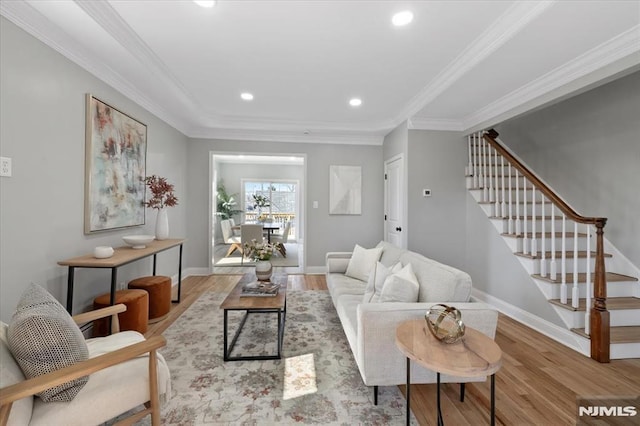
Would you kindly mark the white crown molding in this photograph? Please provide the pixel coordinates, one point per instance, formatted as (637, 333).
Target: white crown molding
(291, 136)
(517, 17)
(624, 45)
(424, 123)
(33, 22)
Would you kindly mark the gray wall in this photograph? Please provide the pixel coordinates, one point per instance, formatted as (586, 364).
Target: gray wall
(436, 161)
(42, 125)
(324, 232)
(396, 142)
(588, 149)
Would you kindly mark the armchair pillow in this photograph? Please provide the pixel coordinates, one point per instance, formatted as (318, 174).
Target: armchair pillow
(376, 281)
(401, 286)
(362, 262)
(43, 338)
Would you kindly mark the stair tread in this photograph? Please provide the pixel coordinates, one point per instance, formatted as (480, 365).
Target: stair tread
(546, 234)
(582, 254)
(582, 277)
(613, 303)
(623, 334)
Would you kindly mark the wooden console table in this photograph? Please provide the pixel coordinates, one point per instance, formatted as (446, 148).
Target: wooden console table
(475, 355)
(121, 256)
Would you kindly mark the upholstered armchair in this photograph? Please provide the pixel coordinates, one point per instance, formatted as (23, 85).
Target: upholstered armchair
(121, 373)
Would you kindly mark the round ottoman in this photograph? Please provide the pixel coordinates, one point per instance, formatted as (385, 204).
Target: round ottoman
(159, 289)
(134, 318)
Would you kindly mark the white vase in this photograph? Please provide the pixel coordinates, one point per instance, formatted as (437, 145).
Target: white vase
(263, 270)
(162, 225)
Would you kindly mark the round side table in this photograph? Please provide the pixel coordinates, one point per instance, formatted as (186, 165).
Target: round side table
(475, 355)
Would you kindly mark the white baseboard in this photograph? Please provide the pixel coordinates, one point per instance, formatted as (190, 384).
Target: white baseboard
(553, 331)
(316, 270)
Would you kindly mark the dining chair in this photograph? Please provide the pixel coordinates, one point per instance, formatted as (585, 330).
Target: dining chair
(250, 232)
(281, 239)
(229, 238)
(235, 230)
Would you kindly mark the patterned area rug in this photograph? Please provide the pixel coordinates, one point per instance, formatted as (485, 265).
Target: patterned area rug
(208, 391)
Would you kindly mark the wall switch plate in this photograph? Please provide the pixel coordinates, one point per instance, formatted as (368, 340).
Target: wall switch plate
(315, 204)
(5, 166)
(426, 193)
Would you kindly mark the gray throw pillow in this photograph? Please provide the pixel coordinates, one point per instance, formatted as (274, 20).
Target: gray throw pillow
(43, 338)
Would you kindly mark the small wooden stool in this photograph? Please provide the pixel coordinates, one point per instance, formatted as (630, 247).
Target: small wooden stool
(159, 289)
(134, 318)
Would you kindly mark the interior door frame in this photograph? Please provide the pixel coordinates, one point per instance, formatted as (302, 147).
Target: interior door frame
(302, 198)
(402, 200)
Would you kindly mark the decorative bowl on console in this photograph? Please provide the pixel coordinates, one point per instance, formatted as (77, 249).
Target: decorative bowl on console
(138, 241)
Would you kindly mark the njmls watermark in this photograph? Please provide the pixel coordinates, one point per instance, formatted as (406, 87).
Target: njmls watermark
(608, 410)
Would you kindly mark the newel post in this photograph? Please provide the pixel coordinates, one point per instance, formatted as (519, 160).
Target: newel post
(599, 318)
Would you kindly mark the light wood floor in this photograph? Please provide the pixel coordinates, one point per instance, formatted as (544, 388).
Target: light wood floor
(537, 384)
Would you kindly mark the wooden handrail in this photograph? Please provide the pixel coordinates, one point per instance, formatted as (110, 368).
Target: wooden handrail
(599, 316)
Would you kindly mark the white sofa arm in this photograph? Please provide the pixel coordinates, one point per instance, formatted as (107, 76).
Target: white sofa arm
(379, 359)
(337, 261)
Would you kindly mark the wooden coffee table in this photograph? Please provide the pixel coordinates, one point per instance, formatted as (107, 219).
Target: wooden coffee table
(475, 355)
(251, 305)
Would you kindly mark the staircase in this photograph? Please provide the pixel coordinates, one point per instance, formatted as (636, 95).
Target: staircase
(561, 250)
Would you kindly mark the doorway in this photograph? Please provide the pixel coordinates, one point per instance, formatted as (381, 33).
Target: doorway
(277, 181)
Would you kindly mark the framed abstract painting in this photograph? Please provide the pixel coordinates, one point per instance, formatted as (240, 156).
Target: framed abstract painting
(345, 186)
(115, 168)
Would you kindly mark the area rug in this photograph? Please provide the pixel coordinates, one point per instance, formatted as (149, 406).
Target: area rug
(235, 259)
(208, 391)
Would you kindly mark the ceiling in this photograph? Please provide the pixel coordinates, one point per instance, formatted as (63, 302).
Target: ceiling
(459, 65)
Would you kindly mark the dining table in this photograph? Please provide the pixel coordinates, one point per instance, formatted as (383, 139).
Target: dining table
(269, 227)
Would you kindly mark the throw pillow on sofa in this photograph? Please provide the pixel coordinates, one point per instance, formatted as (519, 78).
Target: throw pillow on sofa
(43, 338)
(362, 262)
(401, 286)
(376, 281)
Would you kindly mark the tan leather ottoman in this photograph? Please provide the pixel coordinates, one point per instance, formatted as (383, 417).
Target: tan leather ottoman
(159, 289)
(134, 318)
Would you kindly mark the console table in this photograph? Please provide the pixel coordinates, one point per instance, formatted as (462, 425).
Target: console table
(475, 355)
(121, 256)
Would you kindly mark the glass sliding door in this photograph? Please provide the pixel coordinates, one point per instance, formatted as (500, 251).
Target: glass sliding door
(274, 201)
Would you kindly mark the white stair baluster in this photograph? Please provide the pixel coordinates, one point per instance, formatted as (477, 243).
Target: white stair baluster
(563, 261)
(525, 239)
(587, 313)
(518, 223)
(497, 187)
(510, 221)
(476, 162)
(469, 170)
(491, 173)
(553, 266)
(485, 183)
(574, 291)
(504, 204)
(534, 239)
(543, 251)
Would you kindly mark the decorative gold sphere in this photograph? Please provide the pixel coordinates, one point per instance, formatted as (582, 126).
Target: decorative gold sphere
(445, 323)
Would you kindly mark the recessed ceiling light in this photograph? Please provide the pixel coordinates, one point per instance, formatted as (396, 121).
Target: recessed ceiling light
(355, 102)
(246, 96)
(402, 18)
(205, 3)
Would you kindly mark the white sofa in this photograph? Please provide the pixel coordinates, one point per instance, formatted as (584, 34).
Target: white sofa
(371, 327)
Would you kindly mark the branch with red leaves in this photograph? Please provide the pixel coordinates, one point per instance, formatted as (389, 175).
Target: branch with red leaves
(161, 193)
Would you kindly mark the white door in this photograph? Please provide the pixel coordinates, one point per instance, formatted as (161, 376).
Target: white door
(394, 201)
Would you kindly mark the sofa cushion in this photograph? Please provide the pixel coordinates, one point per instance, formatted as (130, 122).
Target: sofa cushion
(390, 253)
(376, 281)
(438, 282)
(401, 286)
(10, 374)
(362, 262)
(339, 284)
(43, 338)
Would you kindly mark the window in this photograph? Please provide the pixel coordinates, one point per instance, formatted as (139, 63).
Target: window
(281, 199)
